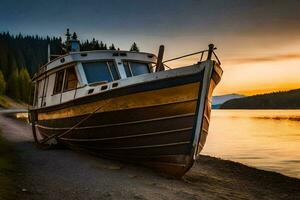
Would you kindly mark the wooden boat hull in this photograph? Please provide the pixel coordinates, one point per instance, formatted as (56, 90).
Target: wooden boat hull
(151, 123)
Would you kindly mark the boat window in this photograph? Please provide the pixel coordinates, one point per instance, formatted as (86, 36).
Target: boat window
(139, 68)
(100, 71)
(71, 79)
(59, 78)
(135, 68)
(113, 70)
(127, 69)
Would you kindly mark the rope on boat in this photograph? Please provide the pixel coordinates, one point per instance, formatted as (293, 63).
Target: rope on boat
(167, 66)
(210, 51)
(217, 57)
(42, 143)
(187, 55)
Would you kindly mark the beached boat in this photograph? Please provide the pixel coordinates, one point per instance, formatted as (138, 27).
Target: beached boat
(126, 105)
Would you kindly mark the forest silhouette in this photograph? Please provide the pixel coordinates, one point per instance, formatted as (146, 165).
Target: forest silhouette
(22, 55)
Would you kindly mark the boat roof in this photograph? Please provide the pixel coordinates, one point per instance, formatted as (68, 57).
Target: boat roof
(86, 56)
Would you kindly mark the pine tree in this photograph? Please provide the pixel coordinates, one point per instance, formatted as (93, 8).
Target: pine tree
(74, 36)
(112, 47)
(2, 84)
(97, 46)
(12, 63)
(13, 87)
(134, 47)
(93, 44)
(3, 61)
(24, 85)
(68, 35)
(101, 46)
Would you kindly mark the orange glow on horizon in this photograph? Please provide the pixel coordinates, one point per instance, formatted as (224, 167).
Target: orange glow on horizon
(256, 75)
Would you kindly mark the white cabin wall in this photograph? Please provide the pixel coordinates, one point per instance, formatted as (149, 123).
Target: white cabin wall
(81, 75)
(50, 87)
(54, 99)
(40, 92)
(67, 96)
(40, 89)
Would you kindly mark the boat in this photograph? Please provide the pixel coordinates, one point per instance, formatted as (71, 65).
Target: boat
(126, 105)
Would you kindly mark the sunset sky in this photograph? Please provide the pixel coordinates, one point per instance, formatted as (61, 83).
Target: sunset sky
(258, 41)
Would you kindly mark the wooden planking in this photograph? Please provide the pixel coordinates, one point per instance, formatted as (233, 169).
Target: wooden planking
(166, 82)
(138, 140)
(127, 136)
(126, 116)
(126, 129)
(151, 150)
(170, 95)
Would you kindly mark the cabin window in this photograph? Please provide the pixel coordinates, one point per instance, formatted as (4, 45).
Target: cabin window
(71, 79)
(127, 69)
(100, 71)
(113, 70)
(139, 68)
(135, 68)
(58, 82)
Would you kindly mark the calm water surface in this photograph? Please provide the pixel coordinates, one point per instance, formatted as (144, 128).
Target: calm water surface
(266, 139)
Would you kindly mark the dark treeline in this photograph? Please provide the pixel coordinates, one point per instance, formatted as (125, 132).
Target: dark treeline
(17, 52)
(21, 56)
(276, 100)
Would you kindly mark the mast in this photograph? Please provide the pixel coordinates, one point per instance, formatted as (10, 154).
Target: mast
(68, 40)
(159, 64)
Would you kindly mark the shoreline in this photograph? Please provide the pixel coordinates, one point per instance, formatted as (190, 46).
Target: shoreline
(250, 166)
(207, 158)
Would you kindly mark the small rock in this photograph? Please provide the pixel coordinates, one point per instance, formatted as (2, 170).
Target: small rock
(132, 176)
(114, 167)
(24, 190)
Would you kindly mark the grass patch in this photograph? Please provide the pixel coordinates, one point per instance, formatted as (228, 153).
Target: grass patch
(8, 171)
(4, 103)
(7, 102)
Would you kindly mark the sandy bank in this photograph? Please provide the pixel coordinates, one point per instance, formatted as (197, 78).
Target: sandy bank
(64, 174)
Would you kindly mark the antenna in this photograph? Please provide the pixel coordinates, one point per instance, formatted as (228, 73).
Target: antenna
(49, 55)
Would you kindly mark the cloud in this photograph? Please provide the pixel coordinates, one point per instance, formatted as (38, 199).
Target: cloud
(271, 58)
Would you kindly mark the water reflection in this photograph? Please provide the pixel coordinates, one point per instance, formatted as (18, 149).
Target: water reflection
(266, 139)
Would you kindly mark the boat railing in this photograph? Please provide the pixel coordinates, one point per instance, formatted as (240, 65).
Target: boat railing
(210, 53)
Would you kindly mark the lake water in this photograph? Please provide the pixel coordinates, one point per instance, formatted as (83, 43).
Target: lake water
(265, 139)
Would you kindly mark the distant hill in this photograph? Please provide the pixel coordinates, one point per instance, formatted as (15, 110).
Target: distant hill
(276, 100)
(217, 101)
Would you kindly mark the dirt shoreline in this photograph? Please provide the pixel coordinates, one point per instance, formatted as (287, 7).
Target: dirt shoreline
(65, 174)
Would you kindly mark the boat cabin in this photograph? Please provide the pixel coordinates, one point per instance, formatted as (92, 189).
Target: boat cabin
(79, 74)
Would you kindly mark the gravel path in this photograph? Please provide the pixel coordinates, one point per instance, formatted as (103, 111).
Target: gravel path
(65, 174)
